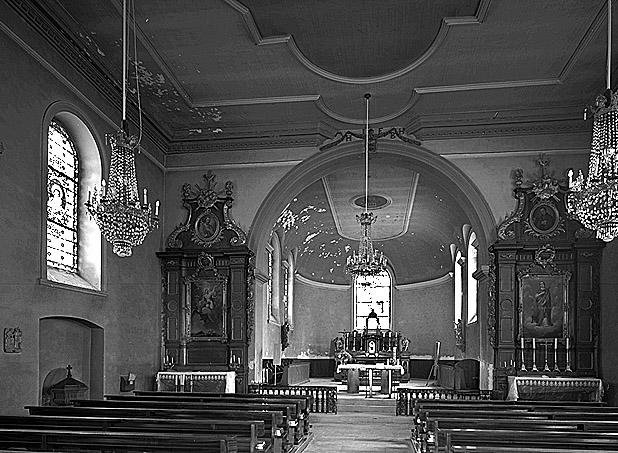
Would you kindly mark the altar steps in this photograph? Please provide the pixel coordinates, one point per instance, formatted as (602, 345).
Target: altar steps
(378, 404)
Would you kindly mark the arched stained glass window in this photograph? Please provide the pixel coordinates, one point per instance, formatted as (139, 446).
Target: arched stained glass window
(372, 294)
(62, 196)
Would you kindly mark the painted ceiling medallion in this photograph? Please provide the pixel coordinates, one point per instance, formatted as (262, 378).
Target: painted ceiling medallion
(373, 201)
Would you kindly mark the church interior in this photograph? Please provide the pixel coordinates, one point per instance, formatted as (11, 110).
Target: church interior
(317, 205)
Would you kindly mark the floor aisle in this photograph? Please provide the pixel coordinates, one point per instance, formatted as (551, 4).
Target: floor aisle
(361, 426)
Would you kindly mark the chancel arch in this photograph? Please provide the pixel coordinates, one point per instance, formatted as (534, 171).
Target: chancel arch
(421, 178)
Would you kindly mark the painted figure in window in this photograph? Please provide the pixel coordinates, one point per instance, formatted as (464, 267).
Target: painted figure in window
(542, 314)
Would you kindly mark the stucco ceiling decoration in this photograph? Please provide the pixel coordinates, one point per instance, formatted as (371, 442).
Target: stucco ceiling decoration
(248, 68)
(339, 42)
(397, 185)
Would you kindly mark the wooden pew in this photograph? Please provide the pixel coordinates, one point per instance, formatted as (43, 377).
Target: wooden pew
(465, 437)
(514, 424)
(425, 421)
(274, 421)
(84, 440)
(301, 403)
(250, 433)
(289, 410)
(306, 399)
(294, 428)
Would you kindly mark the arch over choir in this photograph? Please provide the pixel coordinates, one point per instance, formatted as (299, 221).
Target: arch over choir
(71, 166)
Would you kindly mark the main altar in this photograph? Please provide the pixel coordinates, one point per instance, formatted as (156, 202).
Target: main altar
(372, 346)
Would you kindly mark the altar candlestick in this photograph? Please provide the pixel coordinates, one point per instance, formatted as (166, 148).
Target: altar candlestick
(534, 368)
(522, 342)
(556, 355)
(568, 356)
(523, 364)
(157, 208)
(546, 368)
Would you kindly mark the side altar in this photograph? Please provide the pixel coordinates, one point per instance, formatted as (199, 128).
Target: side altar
(544, 296)
(207, 306)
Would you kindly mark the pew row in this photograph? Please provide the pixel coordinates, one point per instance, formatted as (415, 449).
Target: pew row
(293, 425)
(85, 440)
(275, 437)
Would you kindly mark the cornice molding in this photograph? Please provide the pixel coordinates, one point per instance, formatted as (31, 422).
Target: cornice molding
(322, 285)
(427, 284)
(425, 133)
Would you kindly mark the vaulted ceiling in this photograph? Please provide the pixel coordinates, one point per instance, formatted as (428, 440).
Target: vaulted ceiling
(414, 229)
(218, 70)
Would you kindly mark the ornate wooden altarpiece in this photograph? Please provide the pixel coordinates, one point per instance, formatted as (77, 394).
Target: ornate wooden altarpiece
(544, 286)
(207, 276)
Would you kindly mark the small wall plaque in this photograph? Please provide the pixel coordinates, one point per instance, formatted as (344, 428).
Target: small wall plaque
(12, 340)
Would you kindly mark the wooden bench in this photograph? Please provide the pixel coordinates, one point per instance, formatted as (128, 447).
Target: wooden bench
(85, 440)
(512, 424)
(294, 429)
(306, 400)
(250, 433)
(301, 403)
(424, 423)
(465, 437)
(273, 420)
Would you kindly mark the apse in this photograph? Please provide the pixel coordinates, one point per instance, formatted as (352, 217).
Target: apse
(417, 221)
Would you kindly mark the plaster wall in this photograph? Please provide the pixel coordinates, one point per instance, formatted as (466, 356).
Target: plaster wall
(423, 313)
(129, 309)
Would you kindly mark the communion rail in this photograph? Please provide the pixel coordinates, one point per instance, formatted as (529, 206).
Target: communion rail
(406, 396)
(323, 398)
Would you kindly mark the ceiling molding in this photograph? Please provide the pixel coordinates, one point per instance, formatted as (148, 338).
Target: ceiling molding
(425, 133)
(487, 86)
(406, 220)
(156, 57)
(247, 143)
(599, 20)
(257, 101)
(79, 59)
(446, 23)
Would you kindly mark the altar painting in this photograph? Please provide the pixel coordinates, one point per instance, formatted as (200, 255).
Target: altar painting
(543, 305)
(207, 314)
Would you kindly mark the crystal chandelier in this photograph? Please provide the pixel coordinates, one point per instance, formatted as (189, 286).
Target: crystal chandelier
(367, 261)
(123, 219)
(594, 200)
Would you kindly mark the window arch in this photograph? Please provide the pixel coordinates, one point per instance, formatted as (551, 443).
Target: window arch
(372, 293)
(472, 262)
(72, 248)
(457, 278)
